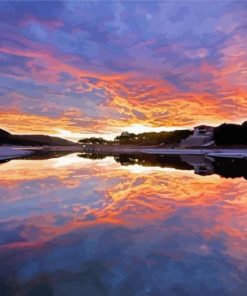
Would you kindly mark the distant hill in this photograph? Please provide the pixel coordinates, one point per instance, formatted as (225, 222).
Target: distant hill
(32, 140)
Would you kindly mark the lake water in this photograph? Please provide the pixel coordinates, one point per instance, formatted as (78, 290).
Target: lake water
(81, 226)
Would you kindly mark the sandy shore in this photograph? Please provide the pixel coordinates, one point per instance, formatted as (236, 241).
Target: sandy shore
(9, 152)
(201, 151)
(74, 148)
(214, 152)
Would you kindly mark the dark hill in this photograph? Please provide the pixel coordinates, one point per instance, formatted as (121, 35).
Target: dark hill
(32, 140)
(4, 134)
(231, 134)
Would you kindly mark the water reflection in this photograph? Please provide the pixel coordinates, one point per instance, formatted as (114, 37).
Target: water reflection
(128, 225)
(200, 164)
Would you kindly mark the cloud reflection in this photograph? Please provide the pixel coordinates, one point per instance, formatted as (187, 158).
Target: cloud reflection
(73, 214)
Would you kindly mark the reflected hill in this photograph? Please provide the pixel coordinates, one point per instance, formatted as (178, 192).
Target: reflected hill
(43, 154)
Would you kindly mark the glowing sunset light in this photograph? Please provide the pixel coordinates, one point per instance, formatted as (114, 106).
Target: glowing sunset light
(75, 136)
(72, 160)
(141, 128)
(139, 169)
(134, 128)
(60, 77)
(127, 214)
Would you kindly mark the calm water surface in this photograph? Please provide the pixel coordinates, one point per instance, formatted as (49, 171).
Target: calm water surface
(75, 226)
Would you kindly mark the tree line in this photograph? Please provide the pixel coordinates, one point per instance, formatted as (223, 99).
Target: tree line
(171, 139)
(231, 134)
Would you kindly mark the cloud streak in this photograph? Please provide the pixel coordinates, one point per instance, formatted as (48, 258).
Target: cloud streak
(89, 65)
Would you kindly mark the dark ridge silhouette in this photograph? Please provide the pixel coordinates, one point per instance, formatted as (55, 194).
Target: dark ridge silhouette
(231, 134)
(32, 140)
(4, 134)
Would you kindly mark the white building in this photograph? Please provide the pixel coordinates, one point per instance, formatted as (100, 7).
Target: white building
(203, 130)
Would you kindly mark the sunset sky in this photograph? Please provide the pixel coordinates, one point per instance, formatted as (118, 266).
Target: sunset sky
(86, 68)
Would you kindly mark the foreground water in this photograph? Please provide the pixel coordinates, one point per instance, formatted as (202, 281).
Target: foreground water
(76, 226)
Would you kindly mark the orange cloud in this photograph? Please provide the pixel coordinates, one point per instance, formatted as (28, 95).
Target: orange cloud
(133, 98)
(126, 197)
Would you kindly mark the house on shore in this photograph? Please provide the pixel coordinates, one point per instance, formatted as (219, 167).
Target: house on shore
(203, 130)
(202, 136)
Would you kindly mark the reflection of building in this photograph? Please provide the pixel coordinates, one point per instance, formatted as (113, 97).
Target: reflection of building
(203, 130)
(202, 166)
(204, 169)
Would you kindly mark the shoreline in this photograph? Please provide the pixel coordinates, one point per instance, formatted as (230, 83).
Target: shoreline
(13, 152)
(239, 152)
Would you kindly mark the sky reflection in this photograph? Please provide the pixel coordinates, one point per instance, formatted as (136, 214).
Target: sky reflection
(74, 224)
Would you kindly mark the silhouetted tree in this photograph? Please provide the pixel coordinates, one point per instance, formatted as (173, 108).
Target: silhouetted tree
(93, 140)
(231, 134)
(172, 138)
